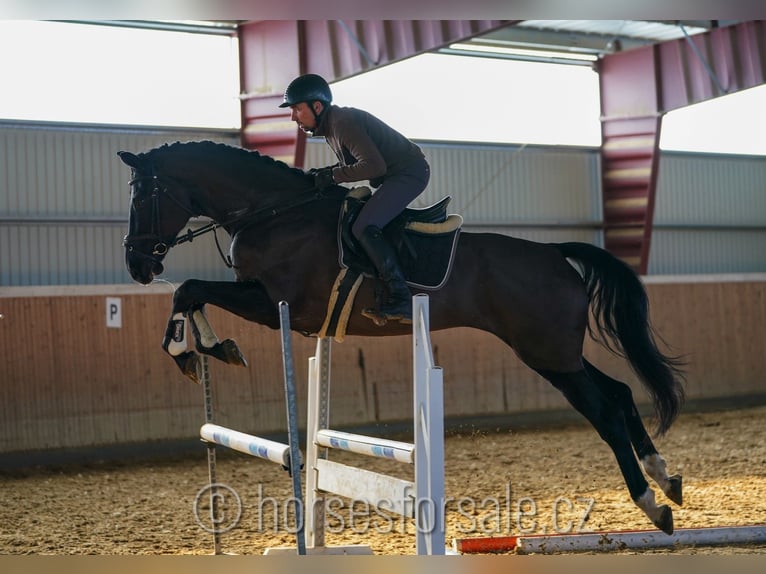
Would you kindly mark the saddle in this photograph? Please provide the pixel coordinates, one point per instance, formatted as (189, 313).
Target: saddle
(425, 240)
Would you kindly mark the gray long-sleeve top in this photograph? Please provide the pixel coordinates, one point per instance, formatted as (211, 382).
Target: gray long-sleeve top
(366, 147)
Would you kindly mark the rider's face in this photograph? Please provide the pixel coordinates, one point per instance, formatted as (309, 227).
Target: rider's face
(303, 115)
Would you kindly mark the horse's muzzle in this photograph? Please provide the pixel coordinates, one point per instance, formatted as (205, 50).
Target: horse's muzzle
(142, 268)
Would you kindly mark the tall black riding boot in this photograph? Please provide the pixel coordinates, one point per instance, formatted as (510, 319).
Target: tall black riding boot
(398, 305)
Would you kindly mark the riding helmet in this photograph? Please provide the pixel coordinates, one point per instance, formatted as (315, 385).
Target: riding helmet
(307, 88)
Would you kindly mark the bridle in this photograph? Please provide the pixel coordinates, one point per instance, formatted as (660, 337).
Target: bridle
(162, 246)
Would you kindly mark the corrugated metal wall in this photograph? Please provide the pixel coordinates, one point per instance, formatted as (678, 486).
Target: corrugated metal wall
(64, 202)
(710, 214)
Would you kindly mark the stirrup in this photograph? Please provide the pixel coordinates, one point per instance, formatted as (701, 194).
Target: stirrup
(380, 317)
(374, 316)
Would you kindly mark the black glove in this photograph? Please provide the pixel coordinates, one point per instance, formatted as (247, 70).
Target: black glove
(314, 170)
(323, 178)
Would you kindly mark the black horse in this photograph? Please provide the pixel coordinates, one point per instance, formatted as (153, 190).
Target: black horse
(284, 247)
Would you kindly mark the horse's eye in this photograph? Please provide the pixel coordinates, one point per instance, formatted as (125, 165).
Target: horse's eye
(137, 198)
(137, 195)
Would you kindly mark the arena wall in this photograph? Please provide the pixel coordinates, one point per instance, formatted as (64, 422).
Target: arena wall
(69, 381)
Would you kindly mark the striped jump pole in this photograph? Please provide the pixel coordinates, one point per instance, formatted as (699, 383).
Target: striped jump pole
(270, 450)
(422, 500)
(611, 541)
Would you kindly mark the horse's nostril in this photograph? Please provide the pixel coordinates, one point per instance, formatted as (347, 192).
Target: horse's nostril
(158, 268)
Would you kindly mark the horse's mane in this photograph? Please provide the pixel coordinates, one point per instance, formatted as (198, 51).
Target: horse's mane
(226, 152)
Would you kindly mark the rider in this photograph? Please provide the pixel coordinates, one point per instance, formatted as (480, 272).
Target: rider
(367, 149)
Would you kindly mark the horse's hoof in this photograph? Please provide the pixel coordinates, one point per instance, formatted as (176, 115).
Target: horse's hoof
(665, 520)
(674, 491)
(232, 354)
(190, 366)
(226, 351)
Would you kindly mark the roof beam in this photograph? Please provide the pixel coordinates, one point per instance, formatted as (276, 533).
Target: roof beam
(716, 63)
(637, 88)
(274, 52)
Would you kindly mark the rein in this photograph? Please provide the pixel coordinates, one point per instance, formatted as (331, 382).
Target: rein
(252, 217)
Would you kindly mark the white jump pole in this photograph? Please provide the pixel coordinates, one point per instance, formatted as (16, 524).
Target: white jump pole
(245, 443)
(422, 500)
(610, 541)
(266, 449)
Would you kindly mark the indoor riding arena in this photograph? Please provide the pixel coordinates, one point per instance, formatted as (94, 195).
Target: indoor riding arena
(108, 448)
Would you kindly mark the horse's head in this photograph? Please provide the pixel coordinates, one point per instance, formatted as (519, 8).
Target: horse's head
(156, 216)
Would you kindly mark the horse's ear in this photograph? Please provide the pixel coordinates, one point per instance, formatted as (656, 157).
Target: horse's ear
(130, 159)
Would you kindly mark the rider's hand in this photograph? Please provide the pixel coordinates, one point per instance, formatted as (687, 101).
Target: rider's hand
(323, 178)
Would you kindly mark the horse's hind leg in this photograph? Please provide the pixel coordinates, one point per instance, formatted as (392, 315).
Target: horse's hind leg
(654, 465)
(587, 397)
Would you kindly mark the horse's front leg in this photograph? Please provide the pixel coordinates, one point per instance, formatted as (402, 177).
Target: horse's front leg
(175, 344)
(208, 343)
(248, 300)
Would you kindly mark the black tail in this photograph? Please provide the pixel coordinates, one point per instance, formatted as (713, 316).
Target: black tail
(621, 310)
